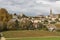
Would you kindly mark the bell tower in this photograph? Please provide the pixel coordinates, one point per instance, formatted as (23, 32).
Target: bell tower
(51, 12)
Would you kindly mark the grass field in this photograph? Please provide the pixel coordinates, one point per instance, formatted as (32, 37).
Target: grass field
(41, 38)
(31, 35)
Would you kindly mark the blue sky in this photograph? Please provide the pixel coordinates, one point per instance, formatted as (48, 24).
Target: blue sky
(31, 7)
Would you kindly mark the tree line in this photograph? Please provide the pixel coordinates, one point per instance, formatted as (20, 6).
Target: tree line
(6, 24)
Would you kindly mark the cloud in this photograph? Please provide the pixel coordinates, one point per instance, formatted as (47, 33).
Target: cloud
(31, 7)
(57, 2)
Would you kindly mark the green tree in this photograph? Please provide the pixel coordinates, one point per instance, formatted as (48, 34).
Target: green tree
(1, 26)
(13, 25)
(45, 21)
(57, 20)
(40, 26)
(25, 24)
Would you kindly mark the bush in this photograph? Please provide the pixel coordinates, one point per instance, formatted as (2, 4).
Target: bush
(25, 25)
(12, 25)
(1, 26)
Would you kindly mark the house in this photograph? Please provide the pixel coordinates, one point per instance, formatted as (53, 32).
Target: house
(14, 18)
(51, 27)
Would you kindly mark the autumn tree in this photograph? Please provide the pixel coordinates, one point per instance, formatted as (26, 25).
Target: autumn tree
(4, 17)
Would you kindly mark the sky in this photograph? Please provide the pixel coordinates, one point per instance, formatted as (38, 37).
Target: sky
(31, 7)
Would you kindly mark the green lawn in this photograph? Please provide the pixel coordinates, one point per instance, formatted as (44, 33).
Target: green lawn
(41, 38)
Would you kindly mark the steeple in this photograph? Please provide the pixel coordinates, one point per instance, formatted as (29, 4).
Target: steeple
(50, 11)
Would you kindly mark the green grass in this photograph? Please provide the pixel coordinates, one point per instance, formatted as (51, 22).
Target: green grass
(41, 38)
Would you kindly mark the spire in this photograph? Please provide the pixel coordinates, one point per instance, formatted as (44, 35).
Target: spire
(50, 11)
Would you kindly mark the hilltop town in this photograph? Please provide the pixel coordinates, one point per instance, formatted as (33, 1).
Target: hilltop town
(23, 22)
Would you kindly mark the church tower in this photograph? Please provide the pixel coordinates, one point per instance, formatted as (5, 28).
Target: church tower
(51, 12)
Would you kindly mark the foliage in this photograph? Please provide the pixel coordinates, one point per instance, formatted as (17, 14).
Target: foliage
(41, 26)
(1, 26)
(13, 25)
(4, 18)
(57, 20)
(45, 22)
(53, 22)
(25, 24)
